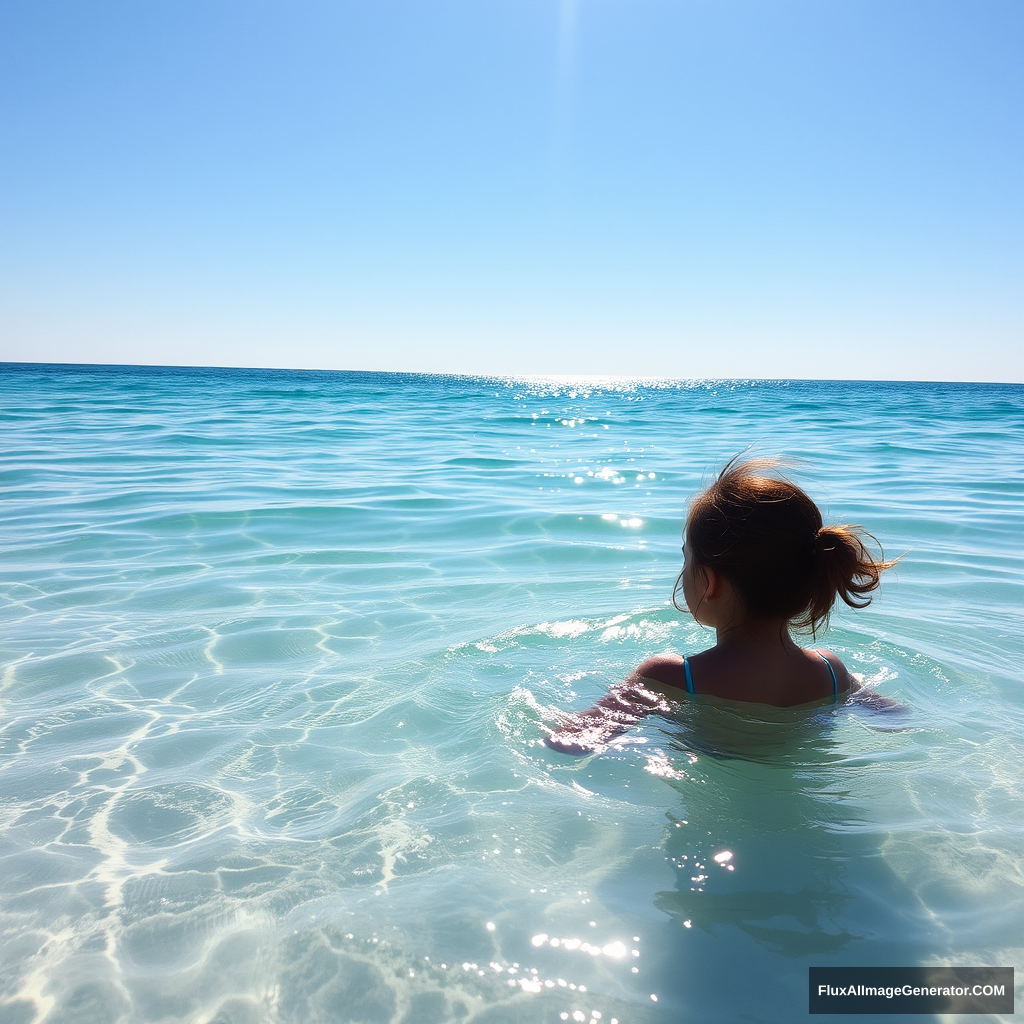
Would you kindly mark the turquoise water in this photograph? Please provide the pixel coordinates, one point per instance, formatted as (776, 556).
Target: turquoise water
(279, 648)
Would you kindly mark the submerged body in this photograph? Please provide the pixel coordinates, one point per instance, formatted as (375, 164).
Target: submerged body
(801, 678)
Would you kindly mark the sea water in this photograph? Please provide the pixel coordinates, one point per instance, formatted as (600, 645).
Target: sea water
(279, 650)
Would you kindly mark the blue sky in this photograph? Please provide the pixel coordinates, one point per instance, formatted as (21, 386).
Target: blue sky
(725, 188)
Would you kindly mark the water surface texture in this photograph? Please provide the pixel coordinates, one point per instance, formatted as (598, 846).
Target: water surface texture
(279, 649)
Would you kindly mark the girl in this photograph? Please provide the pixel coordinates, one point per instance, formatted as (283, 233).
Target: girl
(757, 561)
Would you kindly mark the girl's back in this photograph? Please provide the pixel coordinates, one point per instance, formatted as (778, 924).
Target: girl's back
(781, 678)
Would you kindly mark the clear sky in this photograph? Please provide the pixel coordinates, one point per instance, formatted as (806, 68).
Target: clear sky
(687, 188)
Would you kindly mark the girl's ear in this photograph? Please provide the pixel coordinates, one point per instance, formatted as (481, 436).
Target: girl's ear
(714, 582)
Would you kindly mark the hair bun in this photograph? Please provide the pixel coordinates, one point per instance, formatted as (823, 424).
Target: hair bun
(826, 540)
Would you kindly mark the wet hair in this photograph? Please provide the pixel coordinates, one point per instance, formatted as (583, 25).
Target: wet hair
(767, 538)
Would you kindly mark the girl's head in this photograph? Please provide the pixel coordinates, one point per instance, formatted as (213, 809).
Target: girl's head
(765, 536)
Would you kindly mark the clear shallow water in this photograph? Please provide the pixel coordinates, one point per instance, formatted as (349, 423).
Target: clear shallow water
(278, 649)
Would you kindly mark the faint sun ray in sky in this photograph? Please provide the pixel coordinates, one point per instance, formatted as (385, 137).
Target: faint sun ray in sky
(564, 91)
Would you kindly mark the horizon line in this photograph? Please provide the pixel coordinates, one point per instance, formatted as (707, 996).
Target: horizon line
(545, 378)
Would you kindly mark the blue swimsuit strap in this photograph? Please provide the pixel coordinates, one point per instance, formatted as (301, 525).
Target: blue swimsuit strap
(689, 678)
(832, 672)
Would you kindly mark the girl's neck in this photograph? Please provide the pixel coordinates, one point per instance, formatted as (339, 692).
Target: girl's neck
(749, 632)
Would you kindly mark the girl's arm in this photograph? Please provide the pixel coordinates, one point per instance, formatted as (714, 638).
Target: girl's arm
(861, 696)
(590, 731)
(856, 693)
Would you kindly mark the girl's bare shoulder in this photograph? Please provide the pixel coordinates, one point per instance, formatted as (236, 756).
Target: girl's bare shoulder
(846, 682)
(666, 669)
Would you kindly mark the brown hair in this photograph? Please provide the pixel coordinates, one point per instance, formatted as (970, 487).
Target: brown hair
(766, 537)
